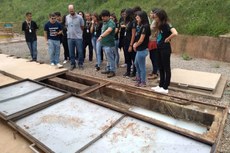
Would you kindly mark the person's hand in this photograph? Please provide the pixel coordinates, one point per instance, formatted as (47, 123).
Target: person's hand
(99, 38)
(130, 49)
(167, 40)
(135, 46)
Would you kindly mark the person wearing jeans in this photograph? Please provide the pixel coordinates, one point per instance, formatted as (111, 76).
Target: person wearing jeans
(140, 46)
(52, 32)
(54, 51)
(75, 26)
(117, 56)
(140, 63)
(76, 44)
(108, 43)
(30, 28)
(96, 32)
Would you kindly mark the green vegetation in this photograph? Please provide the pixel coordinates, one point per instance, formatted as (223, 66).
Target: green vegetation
(186, 57)
(197, 17)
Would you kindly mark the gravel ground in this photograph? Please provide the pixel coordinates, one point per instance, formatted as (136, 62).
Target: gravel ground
(21, 50)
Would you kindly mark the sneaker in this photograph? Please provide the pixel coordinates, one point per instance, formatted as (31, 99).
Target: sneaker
(137, 84)
(162, 90)
(123, 65)
(72, 67)
(97, 68)
(105, 72)
(132, 75)
(52, 64)
(142, 84)
(59, 65)
(110, 75)
(80, 67)
(156, 88)
(136, 79)
(150, 74)
(65, 61)
(153, 76)
(127, 74)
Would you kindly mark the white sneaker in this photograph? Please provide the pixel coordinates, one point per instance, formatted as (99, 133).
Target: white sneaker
(123, 65)
(59, 65)
(162, 90)
(52, 64)
(156, 88)
(65, 61)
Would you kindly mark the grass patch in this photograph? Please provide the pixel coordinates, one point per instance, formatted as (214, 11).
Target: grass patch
(209, 17)
(186, 57)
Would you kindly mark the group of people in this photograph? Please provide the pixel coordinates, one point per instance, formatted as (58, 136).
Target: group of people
(133, 33)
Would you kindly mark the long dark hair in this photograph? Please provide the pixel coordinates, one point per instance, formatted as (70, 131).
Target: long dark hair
(163, 18)
(98, 17)
(114, 16)
(144, 17)
(63, 20)
(129, 15)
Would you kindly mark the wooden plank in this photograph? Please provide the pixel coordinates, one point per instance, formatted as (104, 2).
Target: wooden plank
(23, 69)
(80, 79)
(67, 84)
(6, 80)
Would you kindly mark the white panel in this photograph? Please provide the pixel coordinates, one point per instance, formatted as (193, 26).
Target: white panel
(134, 136)
(68, 125)
(203, 80)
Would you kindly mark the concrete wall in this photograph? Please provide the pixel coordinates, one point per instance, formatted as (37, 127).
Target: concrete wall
(202, 47)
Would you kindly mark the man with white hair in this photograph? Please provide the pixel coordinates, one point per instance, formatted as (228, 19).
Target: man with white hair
(75, 26)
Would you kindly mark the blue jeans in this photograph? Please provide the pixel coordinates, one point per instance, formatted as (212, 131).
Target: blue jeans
(140, 63)
(110, 54)
(54, 50)
(117, 56)
(97, 47)
(32, 45)
(76, 44)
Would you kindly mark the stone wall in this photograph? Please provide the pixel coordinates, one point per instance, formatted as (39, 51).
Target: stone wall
(213, 48)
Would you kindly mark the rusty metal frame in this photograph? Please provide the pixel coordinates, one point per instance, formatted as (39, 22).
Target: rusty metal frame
(35, 107)
(42, 146)
(213, 141)
(146, 92)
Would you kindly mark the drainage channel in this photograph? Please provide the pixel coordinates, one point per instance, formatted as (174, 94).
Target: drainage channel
(102, 117)
(71, 82)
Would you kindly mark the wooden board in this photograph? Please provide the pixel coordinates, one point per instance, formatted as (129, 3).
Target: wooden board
(6, 79)
(9, 144)
(195, 79)
(24, 69)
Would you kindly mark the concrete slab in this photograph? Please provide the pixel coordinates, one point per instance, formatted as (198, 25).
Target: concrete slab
(216, 94)
(24, 69)
(195, 79)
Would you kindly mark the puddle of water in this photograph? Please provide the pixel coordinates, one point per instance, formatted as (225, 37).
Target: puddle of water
(170, 120)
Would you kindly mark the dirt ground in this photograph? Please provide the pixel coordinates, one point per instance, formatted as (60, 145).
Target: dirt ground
(20, 49)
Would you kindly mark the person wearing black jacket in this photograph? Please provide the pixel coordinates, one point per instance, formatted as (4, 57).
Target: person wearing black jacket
(87, 36)
(30, 28)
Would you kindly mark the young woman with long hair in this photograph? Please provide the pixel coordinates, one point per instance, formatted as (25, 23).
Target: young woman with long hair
(165, 33)
(141, 47)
